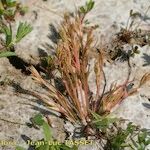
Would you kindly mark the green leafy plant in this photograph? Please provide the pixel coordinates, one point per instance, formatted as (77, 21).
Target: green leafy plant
(119, 140)
(38, 120)
(114, 137)
(142, 142)
(8, 11)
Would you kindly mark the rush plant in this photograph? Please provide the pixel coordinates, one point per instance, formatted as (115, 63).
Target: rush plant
(71, 61)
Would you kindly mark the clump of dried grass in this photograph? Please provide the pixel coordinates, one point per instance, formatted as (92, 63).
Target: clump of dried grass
(71, 60)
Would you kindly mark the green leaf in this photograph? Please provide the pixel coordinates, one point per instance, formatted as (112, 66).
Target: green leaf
(142, 137)
(47, 131)
(22, 31)
(19, 148)
(38, 120)
(82, 10)
(90, 5)
(7, 30)
(7, 54)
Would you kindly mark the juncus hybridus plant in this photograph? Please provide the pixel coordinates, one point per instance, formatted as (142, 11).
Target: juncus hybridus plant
(71, 60)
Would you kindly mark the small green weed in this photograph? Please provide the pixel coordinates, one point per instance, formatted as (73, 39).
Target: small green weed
(48, 143)
(119, 138)
(8, 11)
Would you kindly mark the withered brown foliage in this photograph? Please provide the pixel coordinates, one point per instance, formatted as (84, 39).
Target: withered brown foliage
(72, 63)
